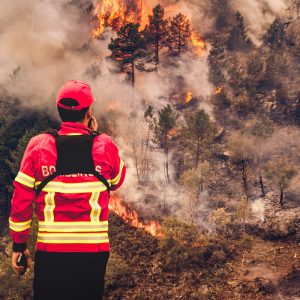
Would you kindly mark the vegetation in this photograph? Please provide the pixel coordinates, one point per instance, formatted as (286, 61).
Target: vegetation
(219, 172)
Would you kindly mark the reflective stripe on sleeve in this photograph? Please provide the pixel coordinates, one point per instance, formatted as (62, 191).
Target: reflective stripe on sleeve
(25, 179)
(73, 238)
(19, 226)
(73, 226)
(116, 180)
(74, 188)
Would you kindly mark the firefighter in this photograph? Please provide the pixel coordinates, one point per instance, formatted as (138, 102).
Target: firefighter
(68, 175)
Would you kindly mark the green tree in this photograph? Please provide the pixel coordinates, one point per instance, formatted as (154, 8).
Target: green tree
(156, 33)
(163, 133)
(216, 59)
(198, 133)
(128, 48)
(275, 36)
(281, 172)
(179, 34)
(238, 39)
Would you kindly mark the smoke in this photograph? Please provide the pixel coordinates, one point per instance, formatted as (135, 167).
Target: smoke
(259, 14)
(44, 41)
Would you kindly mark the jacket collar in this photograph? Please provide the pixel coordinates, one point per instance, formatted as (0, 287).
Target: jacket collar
(72, 127)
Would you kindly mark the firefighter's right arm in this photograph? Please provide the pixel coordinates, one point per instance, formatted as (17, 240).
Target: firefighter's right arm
(22, 202)
(118, 166)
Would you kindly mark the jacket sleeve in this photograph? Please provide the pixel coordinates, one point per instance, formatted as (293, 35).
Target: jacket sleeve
(118, 167)
(22, 199)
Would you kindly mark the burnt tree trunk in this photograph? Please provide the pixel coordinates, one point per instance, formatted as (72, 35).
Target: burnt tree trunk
(244, 176)
(132, 73)
(281, 197)
(261, 183)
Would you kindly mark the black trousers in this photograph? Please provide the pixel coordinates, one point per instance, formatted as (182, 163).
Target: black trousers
(66, 276)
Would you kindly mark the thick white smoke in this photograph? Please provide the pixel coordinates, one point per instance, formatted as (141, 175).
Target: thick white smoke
(259, 14)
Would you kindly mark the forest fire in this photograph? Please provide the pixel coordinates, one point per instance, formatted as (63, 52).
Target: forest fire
(116, 13)
(198, 43)
(218, 90)
(129, 215)
(111, 13)
(188, 97)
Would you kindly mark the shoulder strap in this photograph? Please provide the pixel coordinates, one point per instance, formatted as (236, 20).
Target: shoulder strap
(60, 171)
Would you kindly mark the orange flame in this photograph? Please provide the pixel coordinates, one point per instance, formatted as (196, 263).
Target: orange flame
(117, 205)
(110, 13)
(188, 97)
(218, 90)
(198, 43)
(172, 133)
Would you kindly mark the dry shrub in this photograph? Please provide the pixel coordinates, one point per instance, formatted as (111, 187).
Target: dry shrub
(184, 247)
(117, 272)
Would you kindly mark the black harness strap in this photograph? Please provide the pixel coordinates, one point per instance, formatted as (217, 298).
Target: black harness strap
(74, 155)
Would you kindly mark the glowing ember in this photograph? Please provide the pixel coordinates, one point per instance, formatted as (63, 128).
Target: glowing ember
(117, 205)
(218, 90)
(188, 97)
(198, 43)
(172, 133)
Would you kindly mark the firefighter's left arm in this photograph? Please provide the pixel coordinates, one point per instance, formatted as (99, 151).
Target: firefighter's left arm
(22, 200)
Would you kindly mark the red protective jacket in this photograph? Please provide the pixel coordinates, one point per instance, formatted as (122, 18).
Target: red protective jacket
(72, 210)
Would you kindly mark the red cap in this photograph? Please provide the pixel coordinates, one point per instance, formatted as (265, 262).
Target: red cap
(79, 91)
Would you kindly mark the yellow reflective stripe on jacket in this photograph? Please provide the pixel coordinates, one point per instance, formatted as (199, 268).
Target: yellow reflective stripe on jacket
(49, 207)
(25, 179)
(73, 238)
(19, 226)
(116, 180)
(74, 188)
(95, 207)
(73, 226)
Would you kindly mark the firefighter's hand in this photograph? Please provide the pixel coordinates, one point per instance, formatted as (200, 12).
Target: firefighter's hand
(94, 124)
(19, 269)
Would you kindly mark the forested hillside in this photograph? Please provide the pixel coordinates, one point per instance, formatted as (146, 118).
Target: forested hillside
(203, 100)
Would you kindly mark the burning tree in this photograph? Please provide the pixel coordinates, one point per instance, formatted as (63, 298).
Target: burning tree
(163, 133)
(281, 172)
(156, 32)
(128, 48)
(179, 34)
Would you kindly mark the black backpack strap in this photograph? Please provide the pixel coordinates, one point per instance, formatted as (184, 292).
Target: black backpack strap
(103, 180)
(67, 156)
(45, 182)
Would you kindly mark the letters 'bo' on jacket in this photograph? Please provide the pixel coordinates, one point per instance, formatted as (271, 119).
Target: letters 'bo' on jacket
(72, 210)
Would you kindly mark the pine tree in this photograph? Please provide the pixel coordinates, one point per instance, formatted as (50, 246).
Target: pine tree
(198, 133)
(163, 128)
(179, 34)
(127, 48)
(275, 36)
(216, 61)
(238, 39)
(156, 32)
